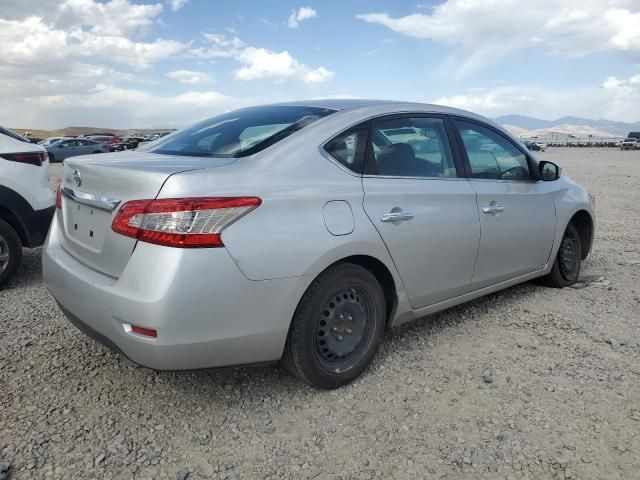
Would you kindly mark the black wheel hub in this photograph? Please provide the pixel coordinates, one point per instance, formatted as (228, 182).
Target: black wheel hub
(568, 255)
(343, 331)
(4, 254)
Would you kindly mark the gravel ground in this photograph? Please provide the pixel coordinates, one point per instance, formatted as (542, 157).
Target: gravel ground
(527, 383)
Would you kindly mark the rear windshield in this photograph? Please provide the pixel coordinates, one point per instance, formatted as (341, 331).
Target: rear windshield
(239, 133)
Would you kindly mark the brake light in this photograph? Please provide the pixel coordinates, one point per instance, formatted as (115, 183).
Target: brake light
(182, 222)
(30, 158)
(59, 193)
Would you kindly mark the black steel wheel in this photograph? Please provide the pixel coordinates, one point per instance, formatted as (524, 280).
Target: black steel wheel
(337, 327)
(343, 332)
(10, 252)
(566, 267)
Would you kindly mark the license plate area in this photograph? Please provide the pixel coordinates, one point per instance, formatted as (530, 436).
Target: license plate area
(86, 225)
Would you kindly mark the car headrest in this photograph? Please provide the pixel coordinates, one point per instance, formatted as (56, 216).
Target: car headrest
(396, 159)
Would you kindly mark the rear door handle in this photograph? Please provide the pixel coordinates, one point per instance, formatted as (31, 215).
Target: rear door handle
(493, 207)
(396, 216)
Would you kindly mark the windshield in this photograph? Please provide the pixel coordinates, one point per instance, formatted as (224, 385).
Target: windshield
(239, 133)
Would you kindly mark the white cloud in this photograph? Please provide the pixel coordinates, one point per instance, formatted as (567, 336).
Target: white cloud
(219, 46)
(261, 63)
(614, 99)
(176, 5)
(109, 105)
(303, 13)
(84, 29)
(488, 30)
(191, 77)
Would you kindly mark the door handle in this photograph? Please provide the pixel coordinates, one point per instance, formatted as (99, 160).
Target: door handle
(493, 207)
(396, 216)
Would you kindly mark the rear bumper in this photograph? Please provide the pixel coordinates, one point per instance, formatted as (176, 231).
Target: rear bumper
(37, 225)
(206, 313)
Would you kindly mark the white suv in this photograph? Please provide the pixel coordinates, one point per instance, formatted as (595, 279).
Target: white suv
(26, 201)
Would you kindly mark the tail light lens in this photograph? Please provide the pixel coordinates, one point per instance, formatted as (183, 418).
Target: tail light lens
(31, 158)
(181, 222)
(59, 193)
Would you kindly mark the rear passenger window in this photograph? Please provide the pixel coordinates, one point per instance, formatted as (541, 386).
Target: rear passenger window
(492, 156)
(411, 147)
(349, 147)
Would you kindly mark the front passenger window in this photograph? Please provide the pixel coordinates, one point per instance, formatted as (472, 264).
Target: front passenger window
(491, 155)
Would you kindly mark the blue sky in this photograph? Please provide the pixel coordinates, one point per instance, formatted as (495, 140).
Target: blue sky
(143, 63)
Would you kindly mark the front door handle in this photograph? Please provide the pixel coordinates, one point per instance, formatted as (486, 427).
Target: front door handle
(493, 207)
(400, 216)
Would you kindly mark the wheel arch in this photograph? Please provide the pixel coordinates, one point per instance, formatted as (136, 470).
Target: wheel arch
(12, 216)
(382, 274)
(583, 222)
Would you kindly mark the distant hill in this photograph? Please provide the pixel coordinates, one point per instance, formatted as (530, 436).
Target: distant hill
(599, 127)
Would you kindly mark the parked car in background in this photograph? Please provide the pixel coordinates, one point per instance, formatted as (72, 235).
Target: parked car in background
(155, 136)
(35, 139)
(26, 200)
(50, 141)
(533, 146)
(303, 231)
(107, 140)
(127, 143)
(72, 147)
(629, 144)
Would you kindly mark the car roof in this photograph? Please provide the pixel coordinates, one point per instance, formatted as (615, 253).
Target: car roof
(383, 107)
(340, 104)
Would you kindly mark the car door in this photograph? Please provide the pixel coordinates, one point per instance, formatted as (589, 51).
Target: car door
(517, 212)
(65, 149)
(84, 147)
(421, 205)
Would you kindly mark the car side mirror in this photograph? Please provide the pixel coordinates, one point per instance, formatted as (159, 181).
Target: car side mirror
(549, 171)
(60, 146)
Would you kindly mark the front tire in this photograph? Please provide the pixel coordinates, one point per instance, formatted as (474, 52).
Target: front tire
(337, 327)
(52, 159)
(566, 267)
(10, 252)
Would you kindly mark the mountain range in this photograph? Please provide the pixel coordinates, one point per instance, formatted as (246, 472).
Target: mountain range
(608, 127)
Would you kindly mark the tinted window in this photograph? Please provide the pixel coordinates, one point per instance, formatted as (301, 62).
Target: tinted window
(348, 147)
(491, 155)
(411, 147)
(240, 133)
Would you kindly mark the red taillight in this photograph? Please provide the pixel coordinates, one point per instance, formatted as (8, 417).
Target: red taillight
(59, 193)
(181, 222)
(31, 158)
(147, 332)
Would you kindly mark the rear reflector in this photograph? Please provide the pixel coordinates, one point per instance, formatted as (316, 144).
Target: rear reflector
(59, 193)
(147, 332)
(181, 222)
(31, 158)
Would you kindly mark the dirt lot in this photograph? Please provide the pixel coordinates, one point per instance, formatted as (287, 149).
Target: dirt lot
(527, 383)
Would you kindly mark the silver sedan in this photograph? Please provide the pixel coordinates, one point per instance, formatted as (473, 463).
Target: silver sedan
(301, 232)
(73, 147)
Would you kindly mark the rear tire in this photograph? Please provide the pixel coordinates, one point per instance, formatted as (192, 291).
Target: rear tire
(10, 252)
(52, 159)
(337, 327)
(566, 267)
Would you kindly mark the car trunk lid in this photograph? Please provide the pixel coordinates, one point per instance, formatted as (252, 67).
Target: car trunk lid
(95, 187)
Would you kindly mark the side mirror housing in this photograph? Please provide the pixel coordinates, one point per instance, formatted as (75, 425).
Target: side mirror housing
(549, 171)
